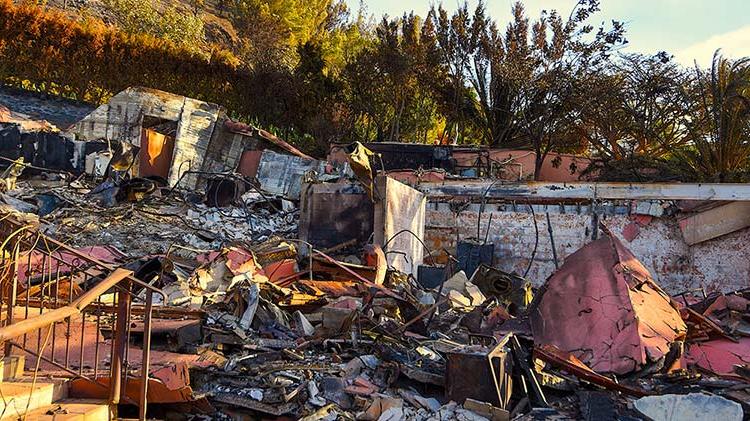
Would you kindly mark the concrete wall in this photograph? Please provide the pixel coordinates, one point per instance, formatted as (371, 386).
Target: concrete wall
(720, 264)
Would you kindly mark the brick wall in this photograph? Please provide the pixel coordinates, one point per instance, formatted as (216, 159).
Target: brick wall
(721, 264)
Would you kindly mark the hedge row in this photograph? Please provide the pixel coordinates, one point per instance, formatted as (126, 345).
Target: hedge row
(46, 51)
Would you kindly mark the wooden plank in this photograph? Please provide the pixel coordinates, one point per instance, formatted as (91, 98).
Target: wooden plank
(589, 191)
(715, 222)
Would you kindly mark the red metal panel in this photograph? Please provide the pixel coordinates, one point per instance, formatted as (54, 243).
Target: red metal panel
(249, 162)
(604, 307)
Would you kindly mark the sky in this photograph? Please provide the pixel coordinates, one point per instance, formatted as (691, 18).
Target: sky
(691, 30)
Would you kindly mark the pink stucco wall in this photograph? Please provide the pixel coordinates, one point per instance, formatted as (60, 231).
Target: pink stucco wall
(520, 164)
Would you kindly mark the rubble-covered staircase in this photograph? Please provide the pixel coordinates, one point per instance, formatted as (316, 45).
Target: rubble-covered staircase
(48, 399)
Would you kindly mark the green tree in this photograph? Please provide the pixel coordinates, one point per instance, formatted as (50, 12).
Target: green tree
(389, 84)
(551, 69)
(476, 57)
(719, 122)
(636, 108)
(271, 30)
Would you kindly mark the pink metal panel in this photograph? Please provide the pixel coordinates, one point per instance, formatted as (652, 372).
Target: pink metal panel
(603, 307)
(719, 356)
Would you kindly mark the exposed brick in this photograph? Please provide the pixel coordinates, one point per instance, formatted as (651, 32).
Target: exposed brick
(718, 265)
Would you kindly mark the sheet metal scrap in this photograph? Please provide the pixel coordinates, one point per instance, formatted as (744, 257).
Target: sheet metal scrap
(359, 161)
(483, 384)
(604, 307)
(720, 356)
(563, 360)
(713, 347)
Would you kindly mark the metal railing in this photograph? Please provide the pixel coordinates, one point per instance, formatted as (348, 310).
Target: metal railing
(53, 295)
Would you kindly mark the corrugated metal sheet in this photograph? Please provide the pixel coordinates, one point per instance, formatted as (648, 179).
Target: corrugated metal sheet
(282, 174)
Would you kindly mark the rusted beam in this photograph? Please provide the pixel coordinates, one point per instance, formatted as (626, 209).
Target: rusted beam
(571, 364)
(365, 281)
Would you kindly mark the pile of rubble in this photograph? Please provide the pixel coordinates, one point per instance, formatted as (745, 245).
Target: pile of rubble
(141, 222)
(290, 330)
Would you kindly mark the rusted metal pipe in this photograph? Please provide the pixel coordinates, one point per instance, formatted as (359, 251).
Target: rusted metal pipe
(552, 241)
(146, 355)
(360, 278)
(120, 343)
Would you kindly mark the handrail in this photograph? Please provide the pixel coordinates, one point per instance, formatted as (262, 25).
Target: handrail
(44, 259)
(60, 314)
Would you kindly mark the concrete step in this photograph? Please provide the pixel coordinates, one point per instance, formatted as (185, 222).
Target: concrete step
(17, 396)
(71, 410)
(11, 367)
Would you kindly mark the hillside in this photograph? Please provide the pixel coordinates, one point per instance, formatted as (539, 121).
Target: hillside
(219, 30)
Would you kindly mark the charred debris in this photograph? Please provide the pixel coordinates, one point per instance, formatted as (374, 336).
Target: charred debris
(297, 288)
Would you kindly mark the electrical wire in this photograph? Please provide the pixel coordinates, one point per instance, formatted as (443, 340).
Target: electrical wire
(429, 252)
(483, 204)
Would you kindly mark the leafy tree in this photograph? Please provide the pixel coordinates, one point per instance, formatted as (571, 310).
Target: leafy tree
(319, 99)
(388, 84)
(343, 38)
(637, 108)
(272, 30)
(552, 71)
(477, 57)
(529, 83)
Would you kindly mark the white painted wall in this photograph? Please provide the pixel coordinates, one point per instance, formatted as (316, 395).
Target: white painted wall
(721, 264)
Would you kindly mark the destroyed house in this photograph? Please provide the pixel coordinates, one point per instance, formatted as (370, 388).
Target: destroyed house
(31, 127)
(179, 137)
(321, 294)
